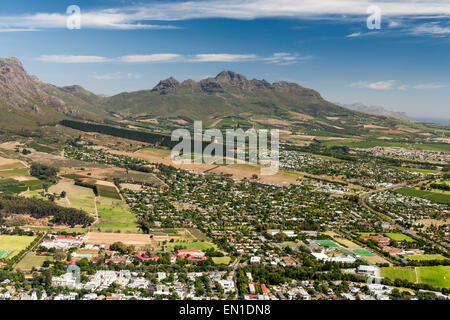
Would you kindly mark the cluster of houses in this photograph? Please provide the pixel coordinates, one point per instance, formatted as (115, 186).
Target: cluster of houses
(63, 242)
(384, 244)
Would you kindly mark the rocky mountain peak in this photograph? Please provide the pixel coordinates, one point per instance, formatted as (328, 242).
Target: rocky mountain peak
(169, 85)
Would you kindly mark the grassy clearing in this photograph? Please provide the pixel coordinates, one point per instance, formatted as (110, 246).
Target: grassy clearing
(221, 260)
(77, 196)
(31, 261)
(115, 216)
(23, 172)
(193, 245)
(14, 243)
(424, 257)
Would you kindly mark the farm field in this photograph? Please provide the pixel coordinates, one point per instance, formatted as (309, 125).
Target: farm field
(432, 196)
(107, 190)
(115, 216)
(11, 186)
(31, 260)
(102, 238)
(14, 244)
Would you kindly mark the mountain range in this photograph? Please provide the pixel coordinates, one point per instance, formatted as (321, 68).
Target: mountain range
(27, 102)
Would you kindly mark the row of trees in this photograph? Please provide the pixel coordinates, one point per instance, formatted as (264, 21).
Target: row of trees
(39, 208)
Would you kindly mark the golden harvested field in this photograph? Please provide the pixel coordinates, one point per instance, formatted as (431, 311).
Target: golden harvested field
(137, 240)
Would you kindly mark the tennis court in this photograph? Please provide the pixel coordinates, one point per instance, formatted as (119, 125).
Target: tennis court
(327, 243)
(363, 252)
(5, 253)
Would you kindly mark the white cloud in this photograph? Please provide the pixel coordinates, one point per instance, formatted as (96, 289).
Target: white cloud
(284, 58)
(18, 30)
(135, 17)
(158, 57)
(429, 86)
(223, 57)
(432, 28)
(277, 58)
(353, 35)
(72, 59)
(115, 76)
(379, 85)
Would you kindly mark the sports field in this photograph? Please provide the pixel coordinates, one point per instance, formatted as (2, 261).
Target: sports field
(436, 276)
(327, 243)
(363, 252)
(400, 237)
(13, 244)
(221, 260)
(202, 246)
(422, 257)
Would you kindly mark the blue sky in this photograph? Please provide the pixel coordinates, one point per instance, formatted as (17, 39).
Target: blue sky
(324, 45)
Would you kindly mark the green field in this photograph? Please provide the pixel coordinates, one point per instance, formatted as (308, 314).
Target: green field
(108, 192)
(14, 243)
(31, 260)
(11, 186)
(115, 215)
(15, 173)
(399, 273)
(416, 170)
(366, 144)
(327, 243)
(432, 196)
(435, 276)
(221, 260)
(422, 257)
(192, 245)
(399, 237)
(363, 252)
(77, 196)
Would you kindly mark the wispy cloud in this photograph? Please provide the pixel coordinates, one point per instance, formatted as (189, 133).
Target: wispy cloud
(72, 59)
(18, 30)
(430, 86)
(139, 16)
(432, 28)
(284, 58)
(223, 57)
(115, 76)
(379, 85)
(277, 58)
(159, 57)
